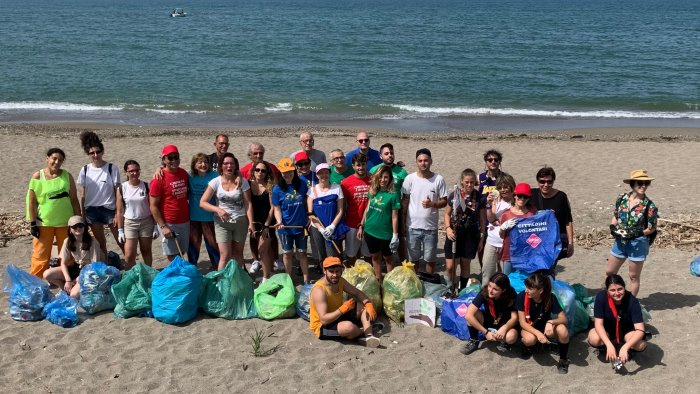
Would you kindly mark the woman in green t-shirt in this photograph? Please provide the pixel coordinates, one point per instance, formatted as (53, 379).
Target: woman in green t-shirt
(380, 223)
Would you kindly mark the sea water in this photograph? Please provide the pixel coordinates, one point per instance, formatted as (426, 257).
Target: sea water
(408, 64)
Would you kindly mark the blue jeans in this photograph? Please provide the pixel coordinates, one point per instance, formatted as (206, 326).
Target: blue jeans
(422, 243)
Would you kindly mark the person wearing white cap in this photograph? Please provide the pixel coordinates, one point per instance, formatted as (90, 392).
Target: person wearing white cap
(79, 250)
(326, 206)
(633, 226)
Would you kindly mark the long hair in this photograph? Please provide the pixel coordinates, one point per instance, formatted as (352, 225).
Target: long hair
(375, 187)
(220, 167)
(296, 182)
(89, 139)
(196, 159)
(540, 281)
(614, 279)
(268, 180)
(86, 242)
(501, 280)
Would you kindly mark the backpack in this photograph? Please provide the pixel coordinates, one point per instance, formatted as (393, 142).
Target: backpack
(109, 172)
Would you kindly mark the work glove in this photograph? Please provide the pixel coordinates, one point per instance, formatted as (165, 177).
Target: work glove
(121, 238)
(34, 230)
(509, 224)
(347, 306)
(328, 232)
(156, 233)
(369, 308)
(394, 244)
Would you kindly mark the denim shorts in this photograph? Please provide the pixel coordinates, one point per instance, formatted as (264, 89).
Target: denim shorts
(424, 241)
(635, 249)
(99, 215)
(289, 241)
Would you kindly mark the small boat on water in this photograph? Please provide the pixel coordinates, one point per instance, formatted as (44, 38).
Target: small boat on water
(178, 13)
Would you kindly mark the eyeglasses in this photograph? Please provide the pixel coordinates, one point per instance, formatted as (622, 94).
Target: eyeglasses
(260, 170)
(546, 181)
(172, 157)
(363, 140)
(77, 226)
(95, 152)
(493, 160)
(338, 158)
(642, 183)
(522, 196)
(303, 163)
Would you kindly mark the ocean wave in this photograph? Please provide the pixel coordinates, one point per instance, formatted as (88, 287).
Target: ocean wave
(57, 106)
(609, 114)
(174, 111)
(280, 107)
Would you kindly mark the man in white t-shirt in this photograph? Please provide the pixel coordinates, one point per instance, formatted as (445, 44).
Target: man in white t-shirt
(424, 193)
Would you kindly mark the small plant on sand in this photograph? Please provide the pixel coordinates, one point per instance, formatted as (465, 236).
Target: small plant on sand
(535, 389)
(257, 339)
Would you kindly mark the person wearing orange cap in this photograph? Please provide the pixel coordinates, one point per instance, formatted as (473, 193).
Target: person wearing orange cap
(330, 317)
(521, 209)
(634, 228)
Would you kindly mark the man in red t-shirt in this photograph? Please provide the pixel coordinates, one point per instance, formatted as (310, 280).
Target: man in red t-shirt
(169, 204)
(256, 154)
(355, 189)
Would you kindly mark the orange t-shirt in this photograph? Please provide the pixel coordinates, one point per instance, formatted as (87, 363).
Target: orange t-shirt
(333, 302)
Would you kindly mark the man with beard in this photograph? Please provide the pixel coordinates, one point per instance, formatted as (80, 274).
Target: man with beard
(221, 145)
(330, 317)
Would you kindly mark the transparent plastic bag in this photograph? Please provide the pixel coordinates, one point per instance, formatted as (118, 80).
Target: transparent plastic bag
(400, 284)
(133, 292)
(96, 282)
(303, 305)
(27, 294)
(62, 311)
(362, 277)
(228, 293)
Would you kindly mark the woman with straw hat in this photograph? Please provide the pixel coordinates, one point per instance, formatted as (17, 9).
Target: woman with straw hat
(633, 222)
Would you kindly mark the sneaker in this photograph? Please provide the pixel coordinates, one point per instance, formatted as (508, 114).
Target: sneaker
(504, 347)
(526, 353)
(369, 341)
(469, 347)
(563, 366)
(255, 267)
(279, 265)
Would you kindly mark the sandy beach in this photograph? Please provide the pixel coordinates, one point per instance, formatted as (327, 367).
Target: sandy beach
(214, 355)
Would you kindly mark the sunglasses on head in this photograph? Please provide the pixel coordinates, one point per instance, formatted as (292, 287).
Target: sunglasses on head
(522, 196)
(363, 140)
(303, 163)
(642, 183)
(173, 157)
(95, 152)
(545, 181)
(493, 160)
(77, 226)
(260, 170)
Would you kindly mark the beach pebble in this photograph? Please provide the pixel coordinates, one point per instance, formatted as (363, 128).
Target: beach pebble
(24, 346)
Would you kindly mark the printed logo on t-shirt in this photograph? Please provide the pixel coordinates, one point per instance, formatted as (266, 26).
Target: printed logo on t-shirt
(179, 188)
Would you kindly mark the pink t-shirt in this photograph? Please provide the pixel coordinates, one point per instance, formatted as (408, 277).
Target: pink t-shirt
(355, 191)
(172, 190)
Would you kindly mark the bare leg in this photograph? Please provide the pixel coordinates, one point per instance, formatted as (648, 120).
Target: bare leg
(130, 252)
(377, 265)
(145, 244)
(98, 231)
(225, 252)
(635, 270)
(238, 252)
(304, 262)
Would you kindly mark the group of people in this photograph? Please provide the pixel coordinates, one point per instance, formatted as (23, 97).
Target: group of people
(359, 204)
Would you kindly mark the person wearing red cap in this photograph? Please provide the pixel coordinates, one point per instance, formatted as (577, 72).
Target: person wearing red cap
(306, 140)
(521, 209)
(304, 169)
(169, 203)
(330, 317)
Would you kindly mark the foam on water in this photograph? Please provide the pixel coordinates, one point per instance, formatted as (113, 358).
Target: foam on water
(57, 106)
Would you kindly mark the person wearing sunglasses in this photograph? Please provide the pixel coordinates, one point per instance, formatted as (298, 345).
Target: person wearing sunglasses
(500, 201)
(521, 208)
(169, 203)
(97, 186)
(262, 181)
(487, 184)
(547, 197)
(304, 171)
(256, 154)
(399, 173)
(51, 201)
(306, 140)
(79, 250)
(373, 157)
(634, 220)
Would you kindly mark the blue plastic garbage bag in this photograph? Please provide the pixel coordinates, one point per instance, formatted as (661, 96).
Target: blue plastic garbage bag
(62, 311)
(27, 294)
(303, 305)
(175, 292)
(454, 312)
(695, 266)
(535, 242)
(575, 312)
(517, 280)
(96, 282)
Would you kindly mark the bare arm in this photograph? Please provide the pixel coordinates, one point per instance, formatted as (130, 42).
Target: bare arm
(321, 306)
(249, 211)
(395, 221)
(340, 212)
(33, 202)
(74, 196)
(355, 292)
(120, 209)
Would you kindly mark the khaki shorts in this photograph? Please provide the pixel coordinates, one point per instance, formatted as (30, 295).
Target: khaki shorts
(235, 230)
(138, 228)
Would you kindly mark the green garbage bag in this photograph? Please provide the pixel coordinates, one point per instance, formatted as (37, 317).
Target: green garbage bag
(275, 298)
(133, 293)
(228, 293)
(362, 277)
(400, 284)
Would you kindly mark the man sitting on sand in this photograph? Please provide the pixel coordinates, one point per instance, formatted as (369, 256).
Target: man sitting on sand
(330, 317)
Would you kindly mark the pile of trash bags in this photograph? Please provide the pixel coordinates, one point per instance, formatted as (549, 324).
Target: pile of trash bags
(28, 295)
(96, 280)
(362, 277)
